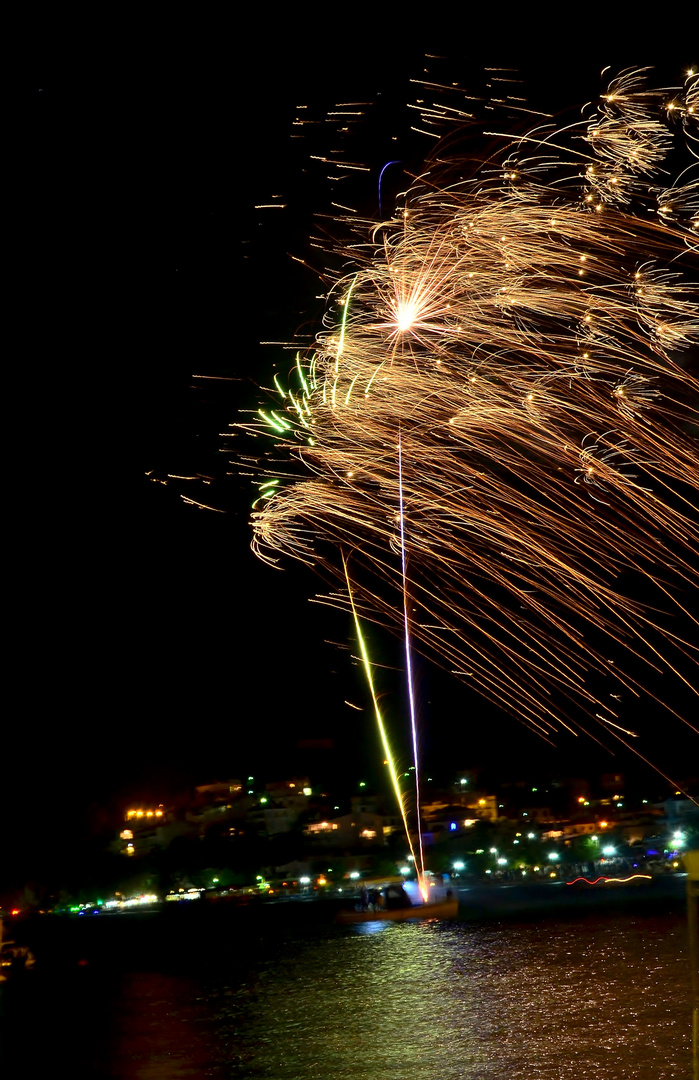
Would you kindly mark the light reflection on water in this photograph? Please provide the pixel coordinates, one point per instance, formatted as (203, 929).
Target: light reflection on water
(547, 1000)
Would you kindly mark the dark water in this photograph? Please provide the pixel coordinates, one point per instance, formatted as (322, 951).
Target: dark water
(286, 996)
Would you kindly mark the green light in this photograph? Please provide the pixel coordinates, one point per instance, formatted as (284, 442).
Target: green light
(344, 321)
(296, 405)
(285, 426)
(350, 388)
(272, 423)
(298, 368)
(377, 370)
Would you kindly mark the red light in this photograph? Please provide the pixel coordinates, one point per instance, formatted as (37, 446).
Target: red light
(15, 911)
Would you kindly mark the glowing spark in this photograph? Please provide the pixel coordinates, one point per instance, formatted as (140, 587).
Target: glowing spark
(622, 880)
(406, 314)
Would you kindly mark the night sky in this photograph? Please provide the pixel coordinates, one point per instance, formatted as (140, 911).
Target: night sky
(149, 649)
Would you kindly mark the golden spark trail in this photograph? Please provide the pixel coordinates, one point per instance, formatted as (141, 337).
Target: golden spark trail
(524, 331)
(618, 880)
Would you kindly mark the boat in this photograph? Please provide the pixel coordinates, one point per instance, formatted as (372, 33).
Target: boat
(439, 909)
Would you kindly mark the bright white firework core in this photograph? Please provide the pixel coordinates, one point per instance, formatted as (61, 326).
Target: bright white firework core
(405, 316)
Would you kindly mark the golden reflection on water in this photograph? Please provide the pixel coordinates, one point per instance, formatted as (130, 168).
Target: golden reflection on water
(545, 1002)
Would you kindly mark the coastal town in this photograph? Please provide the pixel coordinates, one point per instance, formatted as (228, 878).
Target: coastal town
(246, 838)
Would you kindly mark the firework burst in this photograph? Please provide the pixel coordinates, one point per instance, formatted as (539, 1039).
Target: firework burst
(520, 333)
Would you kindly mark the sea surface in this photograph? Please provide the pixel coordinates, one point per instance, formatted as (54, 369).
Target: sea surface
(283, 994)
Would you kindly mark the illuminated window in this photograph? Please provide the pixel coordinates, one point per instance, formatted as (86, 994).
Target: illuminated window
(322, 826)
(126, 834)
(368, 834)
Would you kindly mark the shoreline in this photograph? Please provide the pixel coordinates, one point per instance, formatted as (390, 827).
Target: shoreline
(477, 902)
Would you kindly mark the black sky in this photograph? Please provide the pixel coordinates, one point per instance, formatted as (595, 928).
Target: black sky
(149, 648)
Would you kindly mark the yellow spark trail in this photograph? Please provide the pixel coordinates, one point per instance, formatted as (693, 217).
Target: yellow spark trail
(379, 718)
